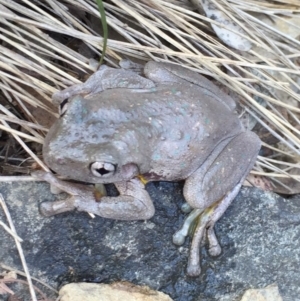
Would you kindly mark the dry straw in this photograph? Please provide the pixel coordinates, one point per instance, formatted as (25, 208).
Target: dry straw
(35, 61)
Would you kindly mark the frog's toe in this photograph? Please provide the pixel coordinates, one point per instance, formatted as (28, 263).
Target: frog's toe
(53, 208)
(193, 270)
(182, 233)
(214, 248)
(46, 208)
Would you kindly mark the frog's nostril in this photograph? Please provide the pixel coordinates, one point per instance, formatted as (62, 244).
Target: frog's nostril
(102, 169)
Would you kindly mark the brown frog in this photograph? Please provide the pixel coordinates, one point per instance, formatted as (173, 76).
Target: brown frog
(170, 124)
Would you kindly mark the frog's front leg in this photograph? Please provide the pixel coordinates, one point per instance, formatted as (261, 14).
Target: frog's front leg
(133, 203)
(211, 189)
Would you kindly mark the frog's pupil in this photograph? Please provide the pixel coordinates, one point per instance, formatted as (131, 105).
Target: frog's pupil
(102, 171)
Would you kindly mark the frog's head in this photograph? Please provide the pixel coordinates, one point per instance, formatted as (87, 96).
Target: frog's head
(93, 163)
(82, 147)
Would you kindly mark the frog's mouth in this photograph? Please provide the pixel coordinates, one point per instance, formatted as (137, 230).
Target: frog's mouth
(103, 169)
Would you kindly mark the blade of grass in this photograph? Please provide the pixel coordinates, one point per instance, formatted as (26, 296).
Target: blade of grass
(104, 28)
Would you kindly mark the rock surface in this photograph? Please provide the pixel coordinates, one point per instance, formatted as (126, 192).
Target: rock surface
(259, 235)
(109, 292)
(229, 30)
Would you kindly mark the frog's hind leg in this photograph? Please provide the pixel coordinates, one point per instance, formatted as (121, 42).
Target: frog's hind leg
(206, 224)
(211, 189)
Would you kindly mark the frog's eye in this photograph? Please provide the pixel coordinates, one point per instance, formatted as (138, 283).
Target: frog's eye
(102, 169)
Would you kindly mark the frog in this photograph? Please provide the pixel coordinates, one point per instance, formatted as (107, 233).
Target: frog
(167, 124)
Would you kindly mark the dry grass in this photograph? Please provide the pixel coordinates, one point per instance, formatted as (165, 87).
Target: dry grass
(35, 60)
(12, 231)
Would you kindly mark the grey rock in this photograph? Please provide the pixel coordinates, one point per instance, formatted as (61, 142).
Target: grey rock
(259, 234)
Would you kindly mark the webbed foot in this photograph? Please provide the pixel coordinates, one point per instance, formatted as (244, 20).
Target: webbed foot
(205, 221)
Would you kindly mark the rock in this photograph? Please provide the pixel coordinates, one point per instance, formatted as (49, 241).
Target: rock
(259, 234)
(110, 292)
(228, 33)
(270, 293)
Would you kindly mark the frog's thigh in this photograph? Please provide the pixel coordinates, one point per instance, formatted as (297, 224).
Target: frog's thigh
(217, 177)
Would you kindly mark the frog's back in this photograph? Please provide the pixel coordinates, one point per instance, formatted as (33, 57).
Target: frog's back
(178, 123)
(193, 124)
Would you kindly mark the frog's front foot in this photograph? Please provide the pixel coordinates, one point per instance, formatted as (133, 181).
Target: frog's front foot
(205, 221)
(79, 193)
(53, 208)
(133, 203)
